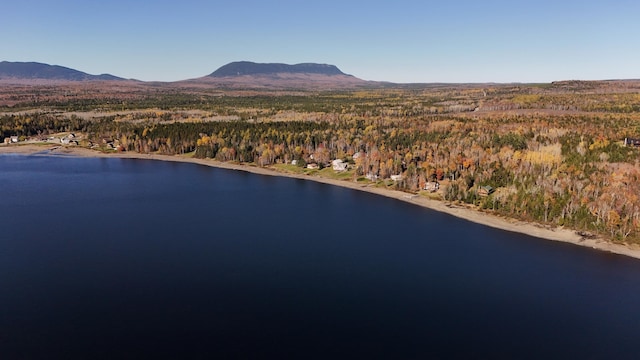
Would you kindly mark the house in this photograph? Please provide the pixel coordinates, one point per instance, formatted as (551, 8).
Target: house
(14, 139)
(7, 140)
(432, 186)
(485, 190)
(69, 140)
(371, 176)
(312, 166)
(294, 162)
(631, 142)
(396, 177)
(339, 165)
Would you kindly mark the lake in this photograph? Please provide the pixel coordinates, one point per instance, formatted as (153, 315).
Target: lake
(121, 258)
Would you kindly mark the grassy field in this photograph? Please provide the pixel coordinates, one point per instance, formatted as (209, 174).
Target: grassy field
(326, 172)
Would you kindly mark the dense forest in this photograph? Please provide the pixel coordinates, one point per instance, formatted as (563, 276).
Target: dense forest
(554, 154)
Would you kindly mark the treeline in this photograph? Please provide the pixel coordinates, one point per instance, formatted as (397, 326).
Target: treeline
(570, 170)
(39, 124)
(585, 180)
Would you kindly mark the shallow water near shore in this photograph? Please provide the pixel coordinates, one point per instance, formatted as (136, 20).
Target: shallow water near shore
(112, 258)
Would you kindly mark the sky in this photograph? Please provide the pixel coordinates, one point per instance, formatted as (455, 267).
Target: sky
(403, 41)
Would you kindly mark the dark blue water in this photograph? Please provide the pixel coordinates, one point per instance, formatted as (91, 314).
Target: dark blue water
(114, 258)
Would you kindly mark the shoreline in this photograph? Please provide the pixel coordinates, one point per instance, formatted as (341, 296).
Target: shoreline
(513, 225)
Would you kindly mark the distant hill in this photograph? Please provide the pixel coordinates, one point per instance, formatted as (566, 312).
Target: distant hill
(240, 68)
(275, 76)
(39, 71)
(238, 75)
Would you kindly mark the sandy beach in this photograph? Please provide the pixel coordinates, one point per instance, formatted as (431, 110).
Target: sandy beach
(537, 230)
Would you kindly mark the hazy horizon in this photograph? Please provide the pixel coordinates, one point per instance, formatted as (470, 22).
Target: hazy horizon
(409, 42)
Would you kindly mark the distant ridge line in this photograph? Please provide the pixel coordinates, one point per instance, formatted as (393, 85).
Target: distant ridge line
(41, 71)
(241, 68)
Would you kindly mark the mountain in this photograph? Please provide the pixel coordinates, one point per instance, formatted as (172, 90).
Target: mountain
(240, 68)
(39, 71)
(238, 75)
(275, 76)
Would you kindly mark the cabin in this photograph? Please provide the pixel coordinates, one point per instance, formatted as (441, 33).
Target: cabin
(14, 139)
(294, 162)
(485, 190)
(312, 166)
(339, 165)
(356, 156)
(631, 142)
(432, 186)
(371, 176)
(396, 177)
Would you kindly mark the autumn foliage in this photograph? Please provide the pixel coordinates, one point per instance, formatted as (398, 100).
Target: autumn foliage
(554, 154)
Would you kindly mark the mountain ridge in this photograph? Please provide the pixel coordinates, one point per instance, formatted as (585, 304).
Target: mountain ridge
(278, 76)
(240, 68)
(233, 75)
(40, 71)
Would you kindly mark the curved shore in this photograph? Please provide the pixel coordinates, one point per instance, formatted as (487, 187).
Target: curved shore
(555, 234)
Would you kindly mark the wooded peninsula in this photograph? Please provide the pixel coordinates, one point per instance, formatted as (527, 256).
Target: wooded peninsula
(563, 154)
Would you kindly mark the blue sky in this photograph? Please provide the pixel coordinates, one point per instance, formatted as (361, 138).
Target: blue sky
(399, 41)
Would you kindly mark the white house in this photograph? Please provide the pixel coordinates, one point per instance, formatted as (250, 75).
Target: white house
(432, 186)
(14, 139)
(339, 165)
(396, 177)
